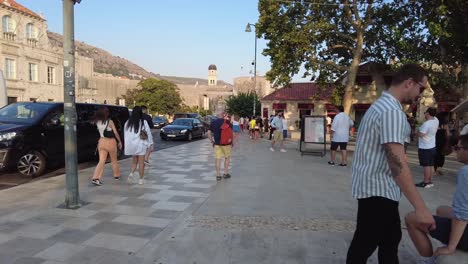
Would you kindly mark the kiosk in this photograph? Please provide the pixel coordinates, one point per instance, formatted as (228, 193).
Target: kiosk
(313, 135)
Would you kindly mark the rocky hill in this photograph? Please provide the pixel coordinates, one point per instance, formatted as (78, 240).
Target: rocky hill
(105, 62)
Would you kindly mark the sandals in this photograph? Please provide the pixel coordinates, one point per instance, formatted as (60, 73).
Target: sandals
(227, 176)
(218, 178)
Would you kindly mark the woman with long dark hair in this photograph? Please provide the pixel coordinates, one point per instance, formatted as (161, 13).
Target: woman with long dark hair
(137, 140)
(107, 145)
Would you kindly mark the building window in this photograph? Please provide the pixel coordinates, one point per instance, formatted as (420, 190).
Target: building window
(10, 69)
(50, 100)
(50, 75)
(33, 72)
(31, 31)
(32, 99)
(8, 27)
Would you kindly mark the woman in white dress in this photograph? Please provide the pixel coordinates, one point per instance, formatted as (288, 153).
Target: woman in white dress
(136, 143)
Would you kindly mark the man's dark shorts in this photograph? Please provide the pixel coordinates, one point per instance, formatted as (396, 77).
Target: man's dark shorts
(342, 145)
(442, 232)
(426, 157)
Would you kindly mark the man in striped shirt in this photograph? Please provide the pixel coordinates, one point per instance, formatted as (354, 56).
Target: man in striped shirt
(380, 171)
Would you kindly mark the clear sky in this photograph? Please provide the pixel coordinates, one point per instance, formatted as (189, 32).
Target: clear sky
(169, 37)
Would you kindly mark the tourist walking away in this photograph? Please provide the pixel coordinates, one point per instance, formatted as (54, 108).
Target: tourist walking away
(285, 127)
(340, 136)
(149, 120)
(427, 146)
(108, 143)
(235, 128)
(451, 222)
(252, 125)
(380, 172)
(241, 123)
(277, 124)
(259, 127)
(138, 138)
(272, 129)
(221, 137)
(266, 126)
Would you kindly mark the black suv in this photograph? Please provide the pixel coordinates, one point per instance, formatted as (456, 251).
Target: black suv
(32, 134)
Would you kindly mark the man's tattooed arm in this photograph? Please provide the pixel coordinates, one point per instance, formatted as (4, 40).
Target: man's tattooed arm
(394, 161)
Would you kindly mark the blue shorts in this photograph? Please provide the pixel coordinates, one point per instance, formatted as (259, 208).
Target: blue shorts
(442, 232)
(236, 129)
(285, 133)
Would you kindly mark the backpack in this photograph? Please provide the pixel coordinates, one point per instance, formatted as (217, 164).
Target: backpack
(226, 134)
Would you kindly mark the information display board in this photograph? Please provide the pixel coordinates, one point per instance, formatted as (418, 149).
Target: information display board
(313, 135)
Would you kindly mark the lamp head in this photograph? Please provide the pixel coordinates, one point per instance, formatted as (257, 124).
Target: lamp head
(248, 28)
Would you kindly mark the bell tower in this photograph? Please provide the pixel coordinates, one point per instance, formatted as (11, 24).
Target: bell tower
(212, 75)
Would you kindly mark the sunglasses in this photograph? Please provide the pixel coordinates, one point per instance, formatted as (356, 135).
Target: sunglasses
(457, 148)
(422, 87)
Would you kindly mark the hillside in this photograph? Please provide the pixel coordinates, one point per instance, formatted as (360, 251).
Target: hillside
(105, 62)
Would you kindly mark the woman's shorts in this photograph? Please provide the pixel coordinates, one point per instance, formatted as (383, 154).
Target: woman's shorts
(236, 129)
(285, 133)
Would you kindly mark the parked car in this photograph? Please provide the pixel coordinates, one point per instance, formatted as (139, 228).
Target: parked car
(32, 134)
(160, 121)
(185, 128)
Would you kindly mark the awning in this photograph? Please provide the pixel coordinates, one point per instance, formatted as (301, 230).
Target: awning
(305, 106)
(279, 106)
(461, 107)
(361, 107)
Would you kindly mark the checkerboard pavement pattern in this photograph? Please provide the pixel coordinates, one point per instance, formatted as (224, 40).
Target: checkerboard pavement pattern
(119, 220)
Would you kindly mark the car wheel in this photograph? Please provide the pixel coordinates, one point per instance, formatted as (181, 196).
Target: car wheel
(189, 136)
(31, 164)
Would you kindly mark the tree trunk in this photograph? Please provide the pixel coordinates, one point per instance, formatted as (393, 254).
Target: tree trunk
(352, 72)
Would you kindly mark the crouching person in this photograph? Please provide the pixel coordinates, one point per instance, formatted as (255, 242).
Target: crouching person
(451, 222)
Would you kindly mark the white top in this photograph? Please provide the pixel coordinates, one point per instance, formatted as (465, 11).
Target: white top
(102, 125)
(340, 127)
(133, 144)
(241, 120)
(235, 123)
(429, 128)
(285, 124)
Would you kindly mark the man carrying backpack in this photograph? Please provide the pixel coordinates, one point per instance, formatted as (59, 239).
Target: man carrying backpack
(220, 135)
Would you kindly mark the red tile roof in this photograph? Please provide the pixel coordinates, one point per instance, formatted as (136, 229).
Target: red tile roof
(300, 92)
(14, 5)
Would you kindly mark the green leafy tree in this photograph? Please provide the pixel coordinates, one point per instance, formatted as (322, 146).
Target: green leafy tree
(327, 38)
(159, 96)
(242, 104)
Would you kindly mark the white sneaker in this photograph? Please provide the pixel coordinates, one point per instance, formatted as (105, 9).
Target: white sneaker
(140, 181)
(272, 149)
(130, 178)
(283, 150)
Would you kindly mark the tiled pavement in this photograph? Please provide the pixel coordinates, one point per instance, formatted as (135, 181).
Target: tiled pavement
(119, 220)
(277, 208)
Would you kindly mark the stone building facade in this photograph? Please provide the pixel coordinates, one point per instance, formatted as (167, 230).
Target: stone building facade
(245, 84)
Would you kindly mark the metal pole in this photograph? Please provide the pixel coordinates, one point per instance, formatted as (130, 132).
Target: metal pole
(255, 71)
(72, 197)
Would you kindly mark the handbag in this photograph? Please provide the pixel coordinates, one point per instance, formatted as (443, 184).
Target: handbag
(143, 133)
(107, 133)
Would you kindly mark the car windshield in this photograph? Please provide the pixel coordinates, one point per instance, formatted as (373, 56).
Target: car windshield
(24, 113)
(182, 122)
(158, 119)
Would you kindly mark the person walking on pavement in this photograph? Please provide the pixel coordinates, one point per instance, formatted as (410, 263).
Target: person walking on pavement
(266, 126)
(277, 124)
(241, 124)
(108, 143)
(149, 120)
(220, 151)
(427, 146)
(380, 171)
(138, 138)
(252, 125)
(235, 128)
(285, 127)
(451, 222)
(272, 129)
(442, 147)
(340, 136)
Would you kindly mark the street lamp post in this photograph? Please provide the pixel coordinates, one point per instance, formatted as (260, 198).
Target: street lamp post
(249, 29)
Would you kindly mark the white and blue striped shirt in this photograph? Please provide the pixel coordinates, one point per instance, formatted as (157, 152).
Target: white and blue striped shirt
(384, 122)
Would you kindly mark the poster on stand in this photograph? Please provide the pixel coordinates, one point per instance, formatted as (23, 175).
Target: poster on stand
(313, 135)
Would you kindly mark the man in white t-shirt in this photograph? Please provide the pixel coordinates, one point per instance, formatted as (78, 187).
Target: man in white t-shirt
(427, 146)
(340, 136)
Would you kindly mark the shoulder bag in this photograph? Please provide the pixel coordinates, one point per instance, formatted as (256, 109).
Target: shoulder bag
(107, 133)
(143, 133)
